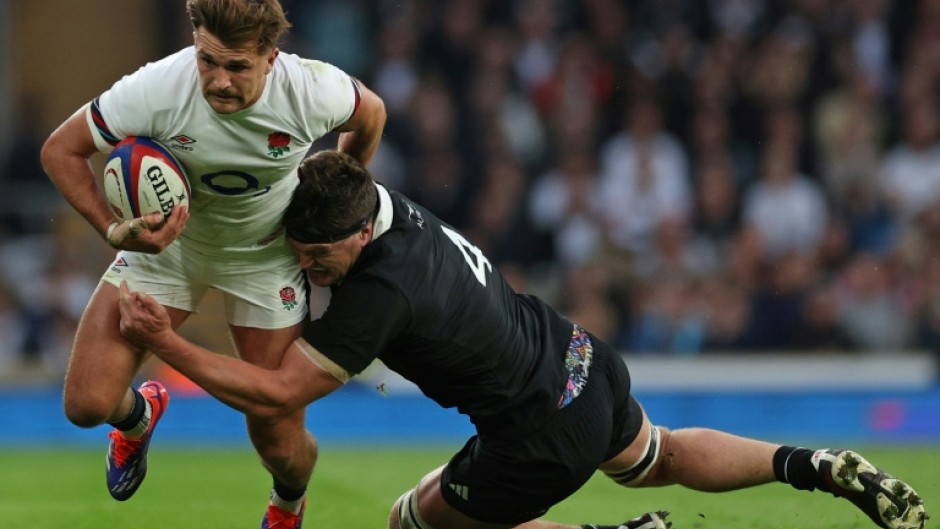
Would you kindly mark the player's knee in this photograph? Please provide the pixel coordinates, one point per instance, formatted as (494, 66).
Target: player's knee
(646, 471)
(404, 513)
(394, 520)
(87, 410)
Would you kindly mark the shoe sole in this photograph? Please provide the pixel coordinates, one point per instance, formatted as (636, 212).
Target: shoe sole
(657, 520)
(899, 506)
(650, 520)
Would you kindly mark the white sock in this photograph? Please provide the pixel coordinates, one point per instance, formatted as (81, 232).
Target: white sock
(284, 505)
(138, 431)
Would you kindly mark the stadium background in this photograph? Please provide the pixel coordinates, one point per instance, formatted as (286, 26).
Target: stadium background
(742, 195)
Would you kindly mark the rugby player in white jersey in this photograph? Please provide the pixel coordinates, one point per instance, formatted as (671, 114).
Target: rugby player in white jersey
(239, 115)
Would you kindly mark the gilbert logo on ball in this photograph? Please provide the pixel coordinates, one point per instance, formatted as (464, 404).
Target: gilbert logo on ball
(141, 177)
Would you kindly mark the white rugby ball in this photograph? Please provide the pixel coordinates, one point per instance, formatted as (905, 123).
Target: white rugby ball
(141, 177)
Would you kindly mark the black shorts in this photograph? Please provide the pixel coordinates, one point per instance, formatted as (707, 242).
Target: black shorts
(515, 480)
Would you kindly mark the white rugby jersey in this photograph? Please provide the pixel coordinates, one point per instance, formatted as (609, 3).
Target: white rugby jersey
(241, 166)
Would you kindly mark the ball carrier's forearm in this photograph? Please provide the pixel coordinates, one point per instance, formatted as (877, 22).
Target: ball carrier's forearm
(75, 180)
(65, 158)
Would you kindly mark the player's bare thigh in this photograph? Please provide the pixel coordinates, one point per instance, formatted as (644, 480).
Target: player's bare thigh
(102, 364)
(264, 347)
(282, 443)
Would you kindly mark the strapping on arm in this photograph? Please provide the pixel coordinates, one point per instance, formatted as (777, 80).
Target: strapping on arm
(323, 362)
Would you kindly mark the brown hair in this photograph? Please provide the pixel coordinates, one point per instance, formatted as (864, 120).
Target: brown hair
(253, 23)
(334, 199)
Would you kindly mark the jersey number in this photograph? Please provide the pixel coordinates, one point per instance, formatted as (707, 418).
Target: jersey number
(474, 257)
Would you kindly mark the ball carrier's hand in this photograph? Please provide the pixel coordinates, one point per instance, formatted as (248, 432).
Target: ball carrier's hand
(150, 233)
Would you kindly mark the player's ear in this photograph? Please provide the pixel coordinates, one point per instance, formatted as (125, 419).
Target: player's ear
(271, 57)
(365, 234)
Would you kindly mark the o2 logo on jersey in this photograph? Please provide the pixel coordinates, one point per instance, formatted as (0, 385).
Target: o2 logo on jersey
(231, 183)
(478, 263)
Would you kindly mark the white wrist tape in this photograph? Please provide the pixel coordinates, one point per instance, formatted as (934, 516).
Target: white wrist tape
(110, 233)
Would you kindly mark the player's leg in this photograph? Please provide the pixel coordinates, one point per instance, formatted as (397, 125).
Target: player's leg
(287, 450)
(265, 295)
(697, 458)
(102, 365)
(97, 390)
(714, 461)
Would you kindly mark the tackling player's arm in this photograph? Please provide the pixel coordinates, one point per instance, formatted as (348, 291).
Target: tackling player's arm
(303, 376)
(359, 136)
(66, 157)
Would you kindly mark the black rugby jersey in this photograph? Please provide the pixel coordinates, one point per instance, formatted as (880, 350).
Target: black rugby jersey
(427, 303)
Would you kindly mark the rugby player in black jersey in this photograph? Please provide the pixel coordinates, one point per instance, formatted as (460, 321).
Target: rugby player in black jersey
(550, 402)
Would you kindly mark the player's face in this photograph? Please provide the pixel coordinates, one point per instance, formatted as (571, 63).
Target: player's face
(328, 264)
(232, 79)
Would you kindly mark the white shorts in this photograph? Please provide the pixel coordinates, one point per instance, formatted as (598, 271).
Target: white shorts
(263, 288)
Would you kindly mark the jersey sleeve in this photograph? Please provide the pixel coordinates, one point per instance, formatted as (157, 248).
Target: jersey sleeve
(139, 103)
(363, 317)
(117, 112)
(333, 91)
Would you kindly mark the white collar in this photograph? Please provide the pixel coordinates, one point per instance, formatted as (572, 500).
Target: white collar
(383, 219)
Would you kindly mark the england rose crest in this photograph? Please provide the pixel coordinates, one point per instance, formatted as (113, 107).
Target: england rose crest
(288, 298)
(278, 143)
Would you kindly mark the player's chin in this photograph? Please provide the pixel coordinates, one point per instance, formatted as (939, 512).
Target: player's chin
(224, 105)
(321, 278)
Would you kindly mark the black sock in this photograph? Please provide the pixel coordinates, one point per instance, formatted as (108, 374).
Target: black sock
(133, 418)
(795, 466)
(288, 494)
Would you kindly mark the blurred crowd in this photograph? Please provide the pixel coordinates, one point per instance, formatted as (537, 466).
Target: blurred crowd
(679, 176)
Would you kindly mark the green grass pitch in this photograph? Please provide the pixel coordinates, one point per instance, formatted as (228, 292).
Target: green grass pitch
(353, 488)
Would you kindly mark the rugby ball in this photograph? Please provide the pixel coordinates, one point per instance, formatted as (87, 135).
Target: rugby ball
(141, 177)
